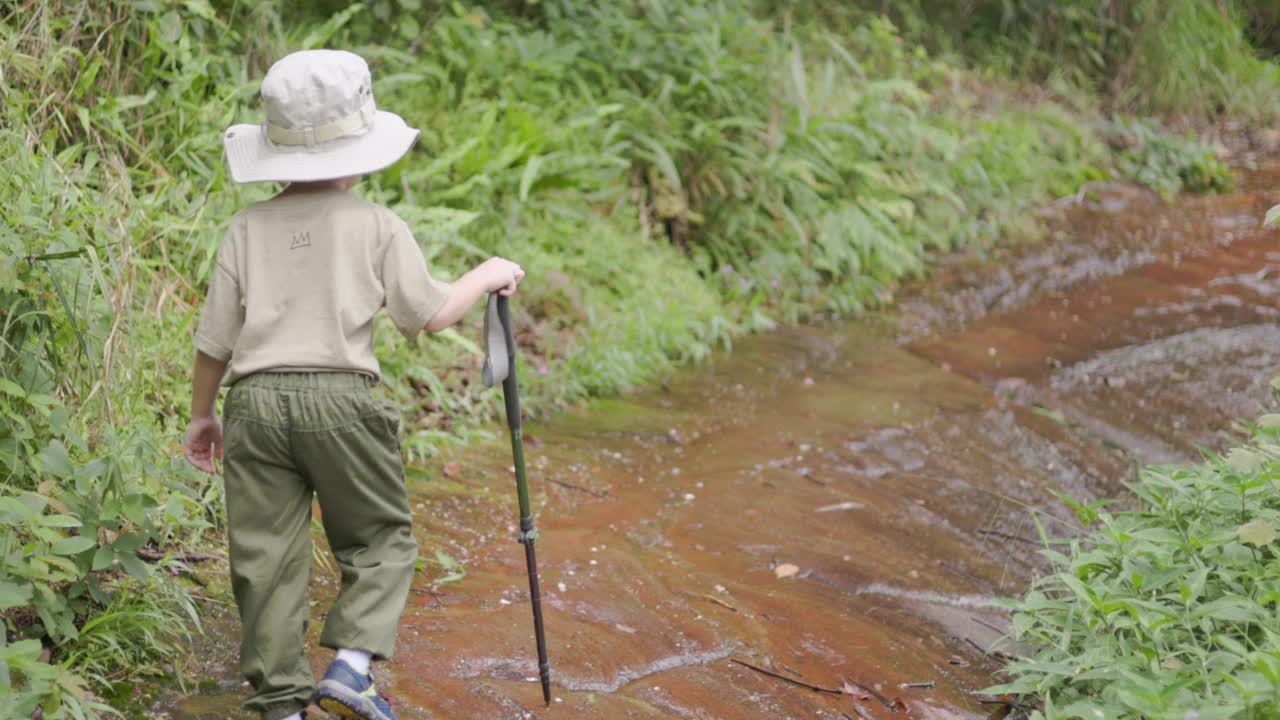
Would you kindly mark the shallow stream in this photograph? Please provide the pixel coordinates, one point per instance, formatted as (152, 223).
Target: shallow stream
(842, 504)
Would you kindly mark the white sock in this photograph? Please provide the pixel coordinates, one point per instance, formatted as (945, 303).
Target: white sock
(357, 659)
(295, 716)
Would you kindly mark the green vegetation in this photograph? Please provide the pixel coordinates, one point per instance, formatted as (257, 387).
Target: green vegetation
(1184, 57)
(1167, 610)
(671, 177)
(1166, 163)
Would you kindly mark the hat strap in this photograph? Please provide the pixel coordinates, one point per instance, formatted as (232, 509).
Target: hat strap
(313, 134)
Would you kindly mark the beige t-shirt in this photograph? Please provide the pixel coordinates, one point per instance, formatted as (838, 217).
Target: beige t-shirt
(299, 279)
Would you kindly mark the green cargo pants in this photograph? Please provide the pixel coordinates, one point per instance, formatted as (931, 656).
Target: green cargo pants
(289, 436)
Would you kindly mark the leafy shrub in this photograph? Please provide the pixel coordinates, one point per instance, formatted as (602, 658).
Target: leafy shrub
(89, 482)
(1167, 611)
(1166, 163)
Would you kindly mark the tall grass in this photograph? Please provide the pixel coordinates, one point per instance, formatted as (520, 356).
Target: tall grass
(670, 173)
(1192, 58)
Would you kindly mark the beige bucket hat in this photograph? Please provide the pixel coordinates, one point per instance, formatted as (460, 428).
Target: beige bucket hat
(321, 123)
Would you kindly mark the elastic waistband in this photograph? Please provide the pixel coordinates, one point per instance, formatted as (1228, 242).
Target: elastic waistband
(320, 381)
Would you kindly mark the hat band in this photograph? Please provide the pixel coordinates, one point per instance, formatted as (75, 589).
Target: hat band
(313, 134)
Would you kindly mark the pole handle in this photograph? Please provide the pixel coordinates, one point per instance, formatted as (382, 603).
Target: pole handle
(509, 393)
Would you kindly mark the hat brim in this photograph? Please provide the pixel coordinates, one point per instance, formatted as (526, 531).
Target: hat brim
(253, 158)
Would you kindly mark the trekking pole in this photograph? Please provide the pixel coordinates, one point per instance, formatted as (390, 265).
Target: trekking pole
(500, 365)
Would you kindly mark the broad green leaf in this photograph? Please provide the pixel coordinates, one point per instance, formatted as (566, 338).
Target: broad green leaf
(1229, 609)
(61, 521)
(1245, 461)
(1257, 533)
(103, 558)
(57, 460)
(24, 650)
(409, 28)
(72, 545)
(1273, 216)
(137, 569)
(129, 542)
(14, 594)
(9, 387)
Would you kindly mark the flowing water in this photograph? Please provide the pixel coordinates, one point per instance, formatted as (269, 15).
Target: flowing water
(837, 506)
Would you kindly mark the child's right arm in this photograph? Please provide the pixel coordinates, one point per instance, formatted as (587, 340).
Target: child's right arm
(493, 275)
(204, 436)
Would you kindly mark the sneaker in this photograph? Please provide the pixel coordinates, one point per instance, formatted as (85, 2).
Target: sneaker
(348, 694)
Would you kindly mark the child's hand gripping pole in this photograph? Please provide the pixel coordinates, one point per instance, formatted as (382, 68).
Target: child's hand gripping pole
(500, 366)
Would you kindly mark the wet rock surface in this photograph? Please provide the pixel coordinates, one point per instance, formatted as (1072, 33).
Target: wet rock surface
(840, 505)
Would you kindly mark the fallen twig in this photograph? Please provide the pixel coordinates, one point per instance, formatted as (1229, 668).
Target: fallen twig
(926, 685)
(807, 474)
(720, 602)
(784, 678)
(1007, 536)
(1004, 700)
(580, 488)
(989, 626)
(890, 705)
(992, 652)
(151, 555)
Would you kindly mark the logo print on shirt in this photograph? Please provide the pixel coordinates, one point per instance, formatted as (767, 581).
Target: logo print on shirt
(300, 240)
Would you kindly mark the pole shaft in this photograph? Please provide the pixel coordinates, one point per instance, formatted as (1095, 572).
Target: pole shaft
(535, 597)
(528, 534)
(522, 483)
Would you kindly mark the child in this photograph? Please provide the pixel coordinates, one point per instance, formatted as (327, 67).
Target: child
(288, 325)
